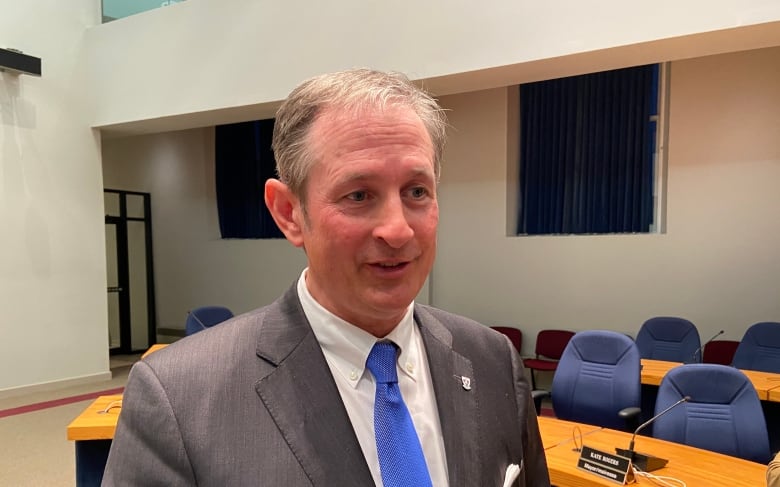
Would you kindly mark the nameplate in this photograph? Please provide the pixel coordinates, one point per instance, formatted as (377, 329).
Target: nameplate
(606, 465)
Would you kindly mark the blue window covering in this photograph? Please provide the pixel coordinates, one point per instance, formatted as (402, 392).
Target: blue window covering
(586, 153)
(243, 162)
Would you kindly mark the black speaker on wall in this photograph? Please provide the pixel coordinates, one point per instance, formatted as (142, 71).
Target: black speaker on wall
(18, 62)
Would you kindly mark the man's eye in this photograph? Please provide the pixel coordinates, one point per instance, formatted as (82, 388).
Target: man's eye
(357, 196)
(418, 192)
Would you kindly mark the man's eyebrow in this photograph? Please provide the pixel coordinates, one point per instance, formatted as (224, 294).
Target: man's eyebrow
(423, 171)
(368, 175)
(355, 177)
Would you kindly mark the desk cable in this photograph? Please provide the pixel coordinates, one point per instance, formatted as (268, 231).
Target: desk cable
(111, 405)
(576, 437)
(660, 479)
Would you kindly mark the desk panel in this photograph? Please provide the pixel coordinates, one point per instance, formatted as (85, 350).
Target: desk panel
(694, 466)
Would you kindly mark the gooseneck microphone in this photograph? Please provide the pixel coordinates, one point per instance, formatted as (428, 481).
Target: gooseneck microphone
(644, 462)
(699, 350)
(650, 421)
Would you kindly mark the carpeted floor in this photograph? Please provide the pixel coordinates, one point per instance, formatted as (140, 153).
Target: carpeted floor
(34, 449)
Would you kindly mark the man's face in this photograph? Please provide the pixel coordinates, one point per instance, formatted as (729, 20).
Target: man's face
(369, 227)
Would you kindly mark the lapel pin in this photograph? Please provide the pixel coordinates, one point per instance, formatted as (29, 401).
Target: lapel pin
(466, 382)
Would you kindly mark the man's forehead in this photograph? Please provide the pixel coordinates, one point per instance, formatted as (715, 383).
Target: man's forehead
(363, 111)
(342, 129)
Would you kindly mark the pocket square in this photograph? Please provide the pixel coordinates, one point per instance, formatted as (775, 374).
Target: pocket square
(512, 472)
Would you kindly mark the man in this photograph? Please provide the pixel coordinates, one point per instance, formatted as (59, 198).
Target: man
(292, 394)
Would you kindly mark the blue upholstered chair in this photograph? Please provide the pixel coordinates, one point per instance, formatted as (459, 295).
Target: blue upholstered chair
(759, 348)
(204, 317)
(597, 377)
(723, 415)
(669, 338)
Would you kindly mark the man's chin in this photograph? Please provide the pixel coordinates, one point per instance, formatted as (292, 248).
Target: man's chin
(392, 305)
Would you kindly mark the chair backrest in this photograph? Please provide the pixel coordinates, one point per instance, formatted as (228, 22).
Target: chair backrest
(597, 376)
(723, 415)
(204, 317)
(552, 343)
(720, 352)
(759, 348)
(515, 335)
(669, 338)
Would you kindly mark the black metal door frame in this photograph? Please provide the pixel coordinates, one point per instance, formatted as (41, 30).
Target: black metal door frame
(122, 289)
(123, 271)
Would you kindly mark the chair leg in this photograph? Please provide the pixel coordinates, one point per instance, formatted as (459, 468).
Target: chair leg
(533, 380)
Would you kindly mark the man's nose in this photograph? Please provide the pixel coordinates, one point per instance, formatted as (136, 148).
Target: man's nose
(393, 224)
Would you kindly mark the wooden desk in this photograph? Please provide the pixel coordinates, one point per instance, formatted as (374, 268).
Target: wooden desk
(93, 431)
(764, 382)
(774, 394)
(697, 468)
(93, 423)
(653, 371)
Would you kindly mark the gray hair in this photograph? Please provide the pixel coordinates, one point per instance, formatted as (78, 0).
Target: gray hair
(355, 89)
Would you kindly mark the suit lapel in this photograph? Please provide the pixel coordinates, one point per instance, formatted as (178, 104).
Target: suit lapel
(301, 396)
(457, 399)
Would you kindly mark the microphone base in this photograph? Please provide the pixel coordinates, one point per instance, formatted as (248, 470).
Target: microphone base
(643, 462)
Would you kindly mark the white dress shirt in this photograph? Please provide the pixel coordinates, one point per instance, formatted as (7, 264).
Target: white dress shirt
(346, 348)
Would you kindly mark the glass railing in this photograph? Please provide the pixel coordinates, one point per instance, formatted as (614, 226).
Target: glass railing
(117, 9)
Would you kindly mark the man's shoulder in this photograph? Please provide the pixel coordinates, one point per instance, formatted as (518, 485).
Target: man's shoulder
(224, 339)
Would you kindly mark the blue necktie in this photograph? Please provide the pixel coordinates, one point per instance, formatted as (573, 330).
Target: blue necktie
(401, 459)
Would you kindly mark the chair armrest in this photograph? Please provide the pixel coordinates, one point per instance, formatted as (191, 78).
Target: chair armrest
(631, 417)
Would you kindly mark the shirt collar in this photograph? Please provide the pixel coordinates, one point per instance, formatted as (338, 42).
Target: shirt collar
(346, 346)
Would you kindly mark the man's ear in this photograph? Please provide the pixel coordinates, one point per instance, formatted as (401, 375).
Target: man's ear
(286, 209)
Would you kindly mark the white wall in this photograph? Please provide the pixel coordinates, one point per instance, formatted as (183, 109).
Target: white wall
(718, 263)
(203, 62)
(52, 252)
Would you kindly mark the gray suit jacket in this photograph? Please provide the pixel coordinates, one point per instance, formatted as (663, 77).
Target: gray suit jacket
(252, 402)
